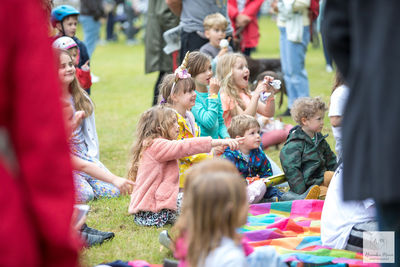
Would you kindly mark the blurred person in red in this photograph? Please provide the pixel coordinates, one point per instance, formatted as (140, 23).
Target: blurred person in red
(37, 192)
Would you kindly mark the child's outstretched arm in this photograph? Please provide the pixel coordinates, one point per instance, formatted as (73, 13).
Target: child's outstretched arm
(125, 186)
(232, 143)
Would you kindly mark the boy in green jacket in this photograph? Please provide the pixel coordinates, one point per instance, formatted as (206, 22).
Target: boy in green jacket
(306, 157)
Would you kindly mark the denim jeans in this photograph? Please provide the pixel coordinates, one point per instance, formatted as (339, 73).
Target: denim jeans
(91, 30)
(292, 59)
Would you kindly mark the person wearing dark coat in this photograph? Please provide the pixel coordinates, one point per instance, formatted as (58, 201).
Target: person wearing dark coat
(159, 20)
(363, 39)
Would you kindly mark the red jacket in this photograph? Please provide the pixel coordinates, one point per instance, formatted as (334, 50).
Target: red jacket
(84, 78)
(37, 191)
(250, 34)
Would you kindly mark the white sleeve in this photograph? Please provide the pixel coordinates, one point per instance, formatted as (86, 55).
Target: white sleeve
(338, 101)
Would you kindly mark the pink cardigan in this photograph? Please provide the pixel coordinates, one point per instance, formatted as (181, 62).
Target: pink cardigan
(157, 180)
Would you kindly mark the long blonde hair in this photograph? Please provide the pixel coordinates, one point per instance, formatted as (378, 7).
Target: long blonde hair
(225, 76)
(80, 97)
(215, 204)
(153, 123)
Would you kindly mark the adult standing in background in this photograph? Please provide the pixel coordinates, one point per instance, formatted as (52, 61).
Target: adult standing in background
(37, 190)
(192, 14)
(294, 26)
(243, 15)
(159, 19)
(91, 12)
(363, 39)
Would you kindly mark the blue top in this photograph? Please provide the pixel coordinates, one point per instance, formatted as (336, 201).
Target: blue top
(256, 165)
(208, 114)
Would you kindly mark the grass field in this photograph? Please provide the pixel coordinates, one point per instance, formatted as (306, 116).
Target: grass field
(123, 93)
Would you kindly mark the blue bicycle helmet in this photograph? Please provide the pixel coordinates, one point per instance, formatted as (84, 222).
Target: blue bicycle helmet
(59, 13)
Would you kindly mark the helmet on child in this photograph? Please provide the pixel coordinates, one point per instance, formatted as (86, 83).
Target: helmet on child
(64, 42)
(59, 13)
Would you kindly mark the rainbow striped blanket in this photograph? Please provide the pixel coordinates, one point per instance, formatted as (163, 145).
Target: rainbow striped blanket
(293, 228)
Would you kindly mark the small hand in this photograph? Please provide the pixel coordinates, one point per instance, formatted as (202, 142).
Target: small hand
(214, 86)
(218, 150)
(77, 119)
(269, 87)
(261, 87)
(233, 143)
(242, 20)
(125, 186)
(85, 67)
(222, 51)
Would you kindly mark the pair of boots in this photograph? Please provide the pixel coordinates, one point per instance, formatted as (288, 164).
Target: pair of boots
(94, 237)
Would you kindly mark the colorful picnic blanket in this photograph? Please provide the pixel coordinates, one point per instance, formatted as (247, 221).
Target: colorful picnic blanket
(293, 228)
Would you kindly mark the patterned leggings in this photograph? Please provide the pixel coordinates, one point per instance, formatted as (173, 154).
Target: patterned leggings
(161, 218)
(87, 188)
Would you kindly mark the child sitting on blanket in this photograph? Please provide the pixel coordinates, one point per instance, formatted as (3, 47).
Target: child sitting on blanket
(250, 159)
(215, 205)
(306, 157)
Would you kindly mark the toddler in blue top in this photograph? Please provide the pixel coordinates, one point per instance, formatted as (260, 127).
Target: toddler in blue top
(208, 108)
(250, 159)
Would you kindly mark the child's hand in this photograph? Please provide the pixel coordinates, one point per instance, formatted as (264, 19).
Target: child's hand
(125, 186)
(218, 150)
(77, 119)
(222, 51)
(214, 86)
(233, 143)
(85, 67)
(261, 87)
(269, 87)
(242, 20)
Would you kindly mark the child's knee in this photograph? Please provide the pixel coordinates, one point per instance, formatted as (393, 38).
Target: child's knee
(85, 196)
(327, 178)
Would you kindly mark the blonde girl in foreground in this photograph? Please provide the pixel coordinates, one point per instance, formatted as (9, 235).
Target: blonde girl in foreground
(214, 207)
(155, 200)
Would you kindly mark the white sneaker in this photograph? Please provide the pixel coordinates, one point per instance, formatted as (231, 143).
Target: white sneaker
(95, 79)
(329, 68)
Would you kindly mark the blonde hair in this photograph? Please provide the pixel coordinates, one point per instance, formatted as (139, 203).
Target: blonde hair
(306, 107)
(153, 123)
(241, 123)
(181, 85)
(215, 204)
(225, 76)
(215, 20)
(80, 97)
(197, 62)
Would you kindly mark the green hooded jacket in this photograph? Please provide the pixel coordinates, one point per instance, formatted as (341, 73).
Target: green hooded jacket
(305, 161)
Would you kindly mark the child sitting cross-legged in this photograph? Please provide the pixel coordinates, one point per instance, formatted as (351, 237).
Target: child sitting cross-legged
(250, 159)
(306, 157)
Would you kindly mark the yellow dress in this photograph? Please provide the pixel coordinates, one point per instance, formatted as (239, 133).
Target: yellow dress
(185, 132)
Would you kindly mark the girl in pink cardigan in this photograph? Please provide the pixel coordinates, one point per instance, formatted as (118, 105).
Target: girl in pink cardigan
(155, 200)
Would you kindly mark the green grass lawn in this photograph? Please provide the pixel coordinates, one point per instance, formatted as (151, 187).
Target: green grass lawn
(123, 93)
